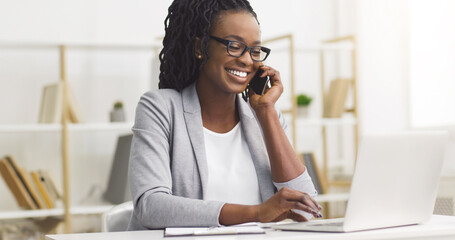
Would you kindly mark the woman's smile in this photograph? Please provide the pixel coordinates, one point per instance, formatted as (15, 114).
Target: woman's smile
(238, 75)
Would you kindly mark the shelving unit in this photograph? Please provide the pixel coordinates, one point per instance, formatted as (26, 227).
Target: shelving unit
(319, 122)
(66, 131)
(57, 127)
(354, 110)
(293, 110)
(55, 212)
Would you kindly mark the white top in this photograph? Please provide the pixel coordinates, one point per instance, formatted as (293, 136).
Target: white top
(231, 174)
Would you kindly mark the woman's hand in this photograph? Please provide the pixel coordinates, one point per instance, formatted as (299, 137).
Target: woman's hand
(280, 205)
(271, 94)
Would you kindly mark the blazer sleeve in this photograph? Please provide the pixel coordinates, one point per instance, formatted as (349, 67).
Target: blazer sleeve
(150, 173)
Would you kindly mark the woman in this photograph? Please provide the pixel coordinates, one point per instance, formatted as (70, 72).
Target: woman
(201, 155)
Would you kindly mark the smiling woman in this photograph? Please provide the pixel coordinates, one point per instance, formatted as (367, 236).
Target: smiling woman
(201, 155)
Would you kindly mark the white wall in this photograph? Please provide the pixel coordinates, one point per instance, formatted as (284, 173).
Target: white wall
(383, 64)
(432, 59)
(89, 21)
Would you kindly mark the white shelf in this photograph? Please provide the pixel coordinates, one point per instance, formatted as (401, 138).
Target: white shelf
(14, 128)
(314, 122)
(56, 212)
(333, 197)
(100, 126)
(317, 48)
(83, 45)
(326, 47)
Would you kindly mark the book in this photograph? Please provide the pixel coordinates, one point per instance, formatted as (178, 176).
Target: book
(49, 184)
(39, 182)
(51, 109)
(75, 115)
(336, 98)
(33, 189)
(197, 231)
(15, 182)
(51, 103)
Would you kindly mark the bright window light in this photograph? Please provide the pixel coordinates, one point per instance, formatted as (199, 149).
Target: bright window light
(432, 65)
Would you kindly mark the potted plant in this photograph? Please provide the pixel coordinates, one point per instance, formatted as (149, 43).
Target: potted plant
(303, 101)
(118, 114)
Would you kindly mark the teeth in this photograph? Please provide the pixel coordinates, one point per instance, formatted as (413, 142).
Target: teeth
(237, 73)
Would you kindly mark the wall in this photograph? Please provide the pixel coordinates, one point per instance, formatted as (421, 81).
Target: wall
(432, 54)
(383, 70)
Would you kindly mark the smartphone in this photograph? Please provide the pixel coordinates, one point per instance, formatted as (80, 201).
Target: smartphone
(258, 83)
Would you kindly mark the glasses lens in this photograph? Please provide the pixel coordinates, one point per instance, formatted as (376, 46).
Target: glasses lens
(236, 49)
(257, 54)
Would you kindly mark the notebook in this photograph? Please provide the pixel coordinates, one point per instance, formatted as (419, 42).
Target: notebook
(395, 183)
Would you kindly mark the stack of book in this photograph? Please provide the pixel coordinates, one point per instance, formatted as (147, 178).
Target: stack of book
(32, 190)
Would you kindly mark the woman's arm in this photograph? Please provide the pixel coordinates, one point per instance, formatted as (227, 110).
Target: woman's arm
(284, 163)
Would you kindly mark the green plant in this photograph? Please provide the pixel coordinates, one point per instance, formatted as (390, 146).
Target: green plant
(118, 105)
(303, 100)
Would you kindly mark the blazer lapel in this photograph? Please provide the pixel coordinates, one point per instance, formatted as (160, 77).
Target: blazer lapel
(193, 120)
(255, 140)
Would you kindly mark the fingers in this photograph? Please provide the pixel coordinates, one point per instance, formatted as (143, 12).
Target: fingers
(284, 205)
(307, 200)
(301, 201)
(272, 73)
(314, 202)
(302, 207)
(297, 217)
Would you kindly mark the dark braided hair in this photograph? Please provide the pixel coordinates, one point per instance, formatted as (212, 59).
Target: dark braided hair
(186, 20)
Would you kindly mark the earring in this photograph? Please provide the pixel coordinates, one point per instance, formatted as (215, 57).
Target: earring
(199, 56)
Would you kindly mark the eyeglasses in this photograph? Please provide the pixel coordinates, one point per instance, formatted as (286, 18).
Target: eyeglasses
(237, 49)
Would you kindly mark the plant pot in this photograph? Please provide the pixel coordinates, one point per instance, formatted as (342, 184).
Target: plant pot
(302, 111)
(117, 115)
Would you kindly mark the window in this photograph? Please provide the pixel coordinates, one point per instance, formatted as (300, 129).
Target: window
(432, 64)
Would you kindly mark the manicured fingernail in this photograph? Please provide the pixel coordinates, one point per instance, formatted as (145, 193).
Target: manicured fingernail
(319, 215)
(320, 207)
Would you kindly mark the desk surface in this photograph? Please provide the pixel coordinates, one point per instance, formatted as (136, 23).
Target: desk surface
(439, 227)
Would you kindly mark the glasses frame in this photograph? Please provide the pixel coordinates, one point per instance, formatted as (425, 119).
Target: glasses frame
(228, 43)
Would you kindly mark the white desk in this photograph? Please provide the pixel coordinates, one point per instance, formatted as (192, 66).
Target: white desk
(439, 227)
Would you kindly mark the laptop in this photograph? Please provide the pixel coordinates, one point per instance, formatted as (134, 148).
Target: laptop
(118, 188)
(395, 183)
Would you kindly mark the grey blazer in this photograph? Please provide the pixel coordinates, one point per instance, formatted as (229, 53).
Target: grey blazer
(168, 168)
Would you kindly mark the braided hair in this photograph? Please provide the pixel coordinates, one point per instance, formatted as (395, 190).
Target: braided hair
(186, 20)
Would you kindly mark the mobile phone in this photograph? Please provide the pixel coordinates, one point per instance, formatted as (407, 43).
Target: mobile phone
(258, 83)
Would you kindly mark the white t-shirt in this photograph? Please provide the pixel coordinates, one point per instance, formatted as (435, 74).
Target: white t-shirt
(231, 174)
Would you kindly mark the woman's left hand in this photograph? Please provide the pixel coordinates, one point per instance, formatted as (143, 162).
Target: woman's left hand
(271, 94)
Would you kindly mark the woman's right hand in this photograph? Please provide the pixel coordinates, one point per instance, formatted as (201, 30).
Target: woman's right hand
(280, 205)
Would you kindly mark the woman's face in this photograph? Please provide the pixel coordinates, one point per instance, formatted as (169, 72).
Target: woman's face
(223, 73)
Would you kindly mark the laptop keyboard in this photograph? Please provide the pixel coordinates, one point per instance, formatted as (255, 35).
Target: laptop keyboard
(335, 224)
